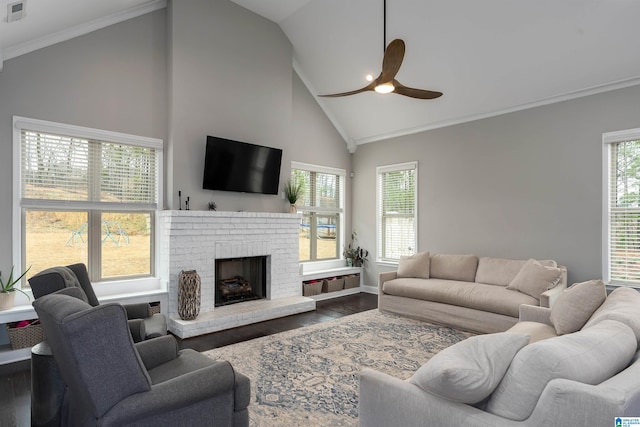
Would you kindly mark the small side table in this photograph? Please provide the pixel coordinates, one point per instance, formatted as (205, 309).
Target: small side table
(47, 387)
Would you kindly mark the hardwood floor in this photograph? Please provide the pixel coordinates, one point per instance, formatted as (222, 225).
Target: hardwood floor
(15, 378)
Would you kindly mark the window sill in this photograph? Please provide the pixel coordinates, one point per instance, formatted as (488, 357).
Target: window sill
(145, 289)
(313, 266)
(115, 288)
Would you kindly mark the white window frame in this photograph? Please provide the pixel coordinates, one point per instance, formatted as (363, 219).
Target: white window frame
(341, 210)
(379, 171)
(112, 287)
(608, 139)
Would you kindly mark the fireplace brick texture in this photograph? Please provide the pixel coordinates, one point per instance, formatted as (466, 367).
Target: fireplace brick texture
(193, 240)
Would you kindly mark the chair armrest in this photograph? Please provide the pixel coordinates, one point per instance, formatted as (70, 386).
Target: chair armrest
(242, 392)
(138, 331)
(138, 311)
(533, 313)
(549, 297)
(156, 325)
(178, 397)
(156, 351)
(385, 276)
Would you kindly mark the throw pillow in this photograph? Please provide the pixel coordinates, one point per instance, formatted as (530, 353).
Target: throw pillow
(416, 265)
(589, 356)
(534, 278)
(470, 370)
(576, 304)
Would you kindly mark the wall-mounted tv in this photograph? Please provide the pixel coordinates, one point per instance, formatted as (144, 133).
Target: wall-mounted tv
(238, 166)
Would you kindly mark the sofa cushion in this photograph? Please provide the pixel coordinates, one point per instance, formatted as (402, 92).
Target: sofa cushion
(416, 265)
(623, 304)
(470, 370)
(537, 331)
(589, 356)
(576, 304)
(501, 271)
(454, 267)
(494, 299)
(534, 278)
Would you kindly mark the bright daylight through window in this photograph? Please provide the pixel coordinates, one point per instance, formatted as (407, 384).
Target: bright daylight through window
(322, 206)
(397, 199)
(622, 203)
(87, 196)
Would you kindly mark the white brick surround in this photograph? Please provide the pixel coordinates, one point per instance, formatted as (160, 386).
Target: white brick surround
(193, 240)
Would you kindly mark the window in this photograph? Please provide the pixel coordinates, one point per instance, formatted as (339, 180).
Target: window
(85, 195)
(397, 201)
(322, 206)
(621, 234)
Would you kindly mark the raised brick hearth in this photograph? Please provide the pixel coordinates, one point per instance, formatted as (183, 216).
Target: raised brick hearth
(193, 240)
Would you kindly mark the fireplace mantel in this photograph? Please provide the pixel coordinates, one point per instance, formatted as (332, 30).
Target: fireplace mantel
(193, 240)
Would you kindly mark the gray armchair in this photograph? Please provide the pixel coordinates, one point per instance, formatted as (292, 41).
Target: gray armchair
(142, 323)
(113, 382)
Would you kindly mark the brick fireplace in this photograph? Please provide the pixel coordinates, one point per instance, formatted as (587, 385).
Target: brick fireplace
(194, 240)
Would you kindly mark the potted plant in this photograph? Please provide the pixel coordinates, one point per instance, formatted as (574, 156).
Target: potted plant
(355, 255)
(8, 290)
(293, 190)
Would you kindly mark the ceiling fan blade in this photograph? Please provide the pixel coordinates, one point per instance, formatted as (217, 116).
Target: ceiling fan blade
(414, 93)
(393, 56)
(368, 87)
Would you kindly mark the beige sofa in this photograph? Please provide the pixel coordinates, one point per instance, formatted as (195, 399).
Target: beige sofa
(584, 378)
(467, 292)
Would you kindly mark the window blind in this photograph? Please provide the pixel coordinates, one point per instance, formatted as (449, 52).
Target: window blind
(397, 202)
(322, 190)
(67, 170)
(624, 211)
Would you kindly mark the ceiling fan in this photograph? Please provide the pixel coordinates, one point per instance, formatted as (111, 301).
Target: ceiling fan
(391, 62)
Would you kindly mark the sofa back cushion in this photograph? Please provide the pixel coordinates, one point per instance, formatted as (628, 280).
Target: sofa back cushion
(589, 356)
(623, 305)
(415, 266)
(501, 271)
(454, 267)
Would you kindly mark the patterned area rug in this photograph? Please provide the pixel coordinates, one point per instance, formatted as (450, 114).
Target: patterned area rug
(309, 376)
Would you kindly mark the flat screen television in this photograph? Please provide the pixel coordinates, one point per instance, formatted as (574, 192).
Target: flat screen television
(238, 166)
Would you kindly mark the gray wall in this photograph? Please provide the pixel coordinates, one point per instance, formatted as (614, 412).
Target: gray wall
(521, 185)
(231, 76)
(112, 79)
(317, 142)
(198, 68)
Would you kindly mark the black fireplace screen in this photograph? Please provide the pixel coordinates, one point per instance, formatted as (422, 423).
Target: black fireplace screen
(240, 279)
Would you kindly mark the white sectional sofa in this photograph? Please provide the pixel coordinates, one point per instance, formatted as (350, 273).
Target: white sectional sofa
(478, 294)
(576, 364)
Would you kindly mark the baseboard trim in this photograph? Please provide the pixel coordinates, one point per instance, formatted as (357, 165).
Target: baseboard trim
(369, 289)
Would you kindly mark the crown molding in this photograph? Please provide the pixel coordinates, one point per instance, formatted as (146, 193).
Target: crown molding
(78, 30)
(620, 84)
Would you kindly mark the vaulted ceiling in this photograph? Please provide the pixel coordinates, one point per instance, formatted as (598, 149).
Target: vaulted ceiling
(488, 57)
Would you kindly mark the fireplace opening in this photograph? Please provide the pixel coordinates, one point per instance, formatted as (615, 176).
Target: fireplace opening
(240, 279)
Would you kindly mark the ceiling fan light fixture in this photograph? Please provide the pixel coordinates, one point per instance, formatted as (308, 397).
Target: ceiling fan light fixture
(385, 88)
